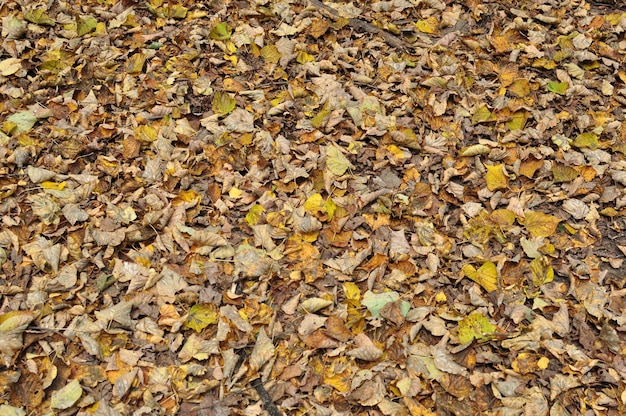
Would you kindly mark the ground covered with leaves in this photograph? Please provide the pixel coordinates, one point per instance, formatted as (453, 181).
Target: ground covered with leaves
(399, 207)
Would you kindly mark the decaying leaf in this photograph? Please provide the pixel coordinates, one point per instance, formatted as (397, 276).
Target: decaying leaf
(399, 207)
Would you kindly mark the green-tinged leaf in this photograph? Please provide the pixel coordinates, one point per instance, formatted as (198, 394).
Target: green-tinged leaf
(486, 275)
(223, 103)
(221, 31)
(475, 326)
(563, 173)
(39, 17)
(254, 214)
(558, 87)
(86, 25)
(20, 122)
(336, 162)
(330, 207)
(200, 316)
(518, 120)
(321, 117)
(67, 396)
(588, 140)
(374, 302)
(483, 115)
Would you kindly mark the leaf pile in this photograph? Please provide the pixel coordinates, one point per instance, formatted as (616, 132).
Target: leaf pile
(398, 207)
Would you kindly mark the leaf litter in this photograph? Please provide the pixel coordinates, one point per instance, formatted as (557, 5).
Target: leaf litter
(272, 207)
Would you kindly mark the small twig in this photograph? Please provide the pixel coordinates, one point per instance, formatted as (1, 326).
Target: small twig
(264, 395)
(362, 25)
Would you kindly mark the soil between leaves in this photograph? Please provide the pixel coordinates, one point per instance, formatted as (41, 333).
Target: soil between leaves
(223, 208)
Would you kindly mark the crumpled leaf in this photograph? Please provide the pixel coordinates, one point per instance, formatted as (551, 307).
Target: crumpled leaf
(12, 325)
(262, 352)
(366, 350)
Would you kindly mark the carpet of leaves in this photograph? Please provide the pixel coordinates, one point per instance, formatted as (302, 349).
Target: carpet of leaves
(246, 207)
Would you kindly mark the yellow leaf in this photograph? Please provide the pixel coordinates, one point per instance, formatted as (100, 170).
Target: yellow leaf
(520, 87)
(542, 271)
(53, 185)
(543, 363)
(271, 54)
(539, 224)
(145, 133)
(189, 196)
(314, 204)
(254, 214)
(475, 326)
(223, 103)
(503, 217)
(475, 150)
(352, 291)
(530, 166)
(200, 316)
(588, 140)
(486, 275)
(304, 57)
(235, 192)
(427, 26)
(496, 178)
